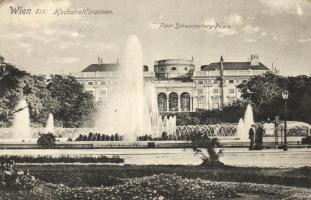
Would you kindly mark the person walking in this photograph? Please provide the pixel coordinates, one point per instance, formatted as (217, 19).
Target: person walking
(251, 134)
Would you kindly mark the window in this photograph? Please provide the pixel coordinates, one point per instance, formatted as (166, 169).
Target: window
(200, 82)
(162, 102)
(230, 101)
(200, 91)
(215, 81)
(162, 69)
(215, 106)
(185, 102)
(90, 83)
(200, 102)
(215, 91)
(145, 68)
(90, 92)
(103, 92)
(231, 91)
(173, 68)
(173, 102)
(231, 81)
(186, 68)
(102, 82)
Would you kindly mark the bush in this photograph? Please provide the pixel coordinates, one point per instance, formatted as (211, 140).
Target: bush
(46, 140)
(209, 155)
(63, 159)
(14, 179)
(230, 114)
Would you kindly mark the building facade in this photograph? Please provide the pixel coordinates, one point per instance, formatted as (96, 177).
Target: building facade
(180, 85)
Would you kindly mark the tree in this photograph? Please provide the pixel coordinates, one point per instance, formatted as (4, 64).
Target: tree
(16, 84)
(209, 155)
(63, 96)
(264, 92)
(46, 140)
(74, 103)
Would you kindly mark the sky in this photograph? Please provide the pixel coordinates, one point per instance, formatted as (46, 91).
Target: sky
(278, 31)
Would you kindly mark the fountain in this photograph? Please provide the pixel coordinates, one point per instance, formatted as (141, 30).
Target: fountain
(248, 121)
(132, 109)
(168, 125)
(50, 124)
(151, 115)
(240, 128)
(21, 121)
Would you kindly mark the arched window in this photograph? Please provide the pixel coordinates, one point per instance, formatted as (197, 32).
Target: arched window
(145, 68)
(173, 102)
(185, 102)
(162, 102)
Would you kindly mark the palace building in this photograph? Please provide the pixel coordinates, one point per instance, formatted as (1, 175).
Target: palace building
(180, 85)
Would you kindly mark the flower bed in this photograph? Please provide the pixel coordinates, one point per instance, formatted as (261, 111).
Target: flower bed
(62, 159)
(162, 186)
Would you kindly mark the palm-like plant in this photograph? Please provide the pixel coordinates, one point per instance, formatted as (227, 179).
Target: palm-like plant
(206, 148)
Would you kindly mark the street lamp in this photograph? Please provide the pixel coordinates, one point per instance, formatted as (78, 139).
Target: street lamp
(285, 97)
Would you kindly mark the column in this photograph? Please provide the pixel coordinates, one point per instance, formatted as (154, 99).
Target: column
(191, 103)
(167, 100)
(178, 102)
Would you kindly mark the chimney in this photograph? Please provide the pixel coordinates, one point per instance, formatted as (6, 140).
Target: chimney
(254, 60)
(98, 60)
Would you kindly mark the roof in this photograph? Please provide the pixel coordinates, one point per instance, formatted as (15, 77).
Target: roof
(184, 78)
(102, 67)
(233, 66)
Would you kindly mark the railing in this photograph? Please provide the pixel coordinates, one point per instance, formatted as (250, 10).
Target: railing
(228, 73)
(213, 130)
(94, 74)
(103, 74)
(206, 73)
(173, 61)
(209, 130)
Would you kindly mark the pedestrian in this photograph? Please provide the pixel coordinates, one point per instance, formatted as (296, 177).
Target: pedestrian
(251, 134)
(259, 135)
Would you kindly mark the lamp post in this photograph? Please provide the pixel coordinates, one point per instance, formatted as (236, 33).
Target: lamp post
(285, 97)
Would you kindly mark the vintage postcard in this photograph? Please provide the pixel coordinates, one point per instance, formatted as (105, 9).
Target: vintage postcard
(165, 99)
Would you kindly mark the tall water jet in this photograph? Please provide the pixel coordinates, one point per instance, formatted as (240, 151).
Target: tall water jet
(21, 121)
(151, 115)
(240, 129)
(50, 124)
(248, 121)
(125, 109)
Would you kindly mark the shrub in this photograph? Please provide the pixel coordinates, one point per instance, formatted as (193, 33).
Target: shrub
(46, 140)
(209, 155)
(63, 159)
(14, 179)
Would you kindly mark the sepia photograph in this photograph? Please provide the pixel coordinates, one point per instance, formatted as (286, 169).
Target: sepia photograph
(155, 100)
